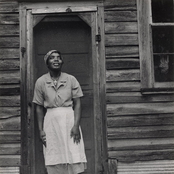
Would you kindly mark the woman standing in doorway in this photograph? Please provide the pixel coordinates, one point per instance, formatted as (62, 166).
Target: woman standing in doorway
(59, 128)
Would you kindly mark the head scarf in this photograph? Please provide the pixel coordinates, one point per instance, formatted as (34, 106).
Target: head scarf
(47, 55)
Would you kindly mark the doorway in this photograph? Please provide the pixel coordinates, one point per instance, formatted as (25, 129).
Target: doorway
(72, 37)
(77, 31)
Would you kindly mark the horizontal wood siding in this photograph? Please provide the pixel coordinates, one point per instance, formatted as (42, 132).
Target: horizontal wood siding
(139, 127)
(10, 120)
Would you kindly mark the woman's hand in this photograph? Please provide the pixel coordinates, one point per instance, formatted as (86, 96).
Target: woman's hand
(75, 134)
(43, 137)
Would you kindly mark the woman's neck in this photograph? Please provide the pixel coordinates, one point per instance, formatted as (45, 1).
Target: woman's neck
(54, 74)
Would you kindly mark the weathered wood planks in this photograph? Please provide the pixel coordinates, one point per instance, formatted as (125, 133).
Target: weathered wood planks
(10, 160)
(140, 132)
(141, 120)
(139, 108)
(9, 30)
(9, 42)
(136, 97)
(6, 7)
(7, 149)
(141, 155)
(121, 27)
(9, 77)
(141, 144)
(9, 18)
(10, 137)
(121, 39)
(127, 16)
(125, 51)
(8, 53)
(146, 167)
(12, 64)
(122, 75)
(8, 112)
(9, 170)
(116, 64)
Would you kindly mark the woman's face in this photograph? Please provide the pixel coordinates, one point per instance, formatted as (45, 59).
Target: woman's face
(55, 62)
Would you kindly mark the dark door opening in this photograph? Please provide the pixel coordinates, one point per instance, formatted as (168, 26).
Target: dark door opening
(72, 37)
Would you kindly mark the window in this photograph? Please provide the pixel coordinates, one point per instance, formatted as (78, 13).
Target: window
(156, 39)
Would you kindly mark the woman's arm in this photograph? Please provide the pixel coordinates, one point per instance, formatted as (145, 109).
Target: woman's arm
(75, 132)
(40, 119)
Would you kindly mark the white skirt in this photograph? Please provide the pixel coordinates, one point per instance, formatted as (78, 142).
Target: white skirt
(60, 148)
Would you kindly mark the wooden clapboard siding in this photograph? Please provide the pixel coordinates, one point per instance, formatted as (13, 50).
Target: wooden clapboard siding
(150, 167)
(8, 53)
(139, 108)
(6, 90)
(8, 41)
(9, 170)
(140, 127)
(7, 149)
(9, 18)
(10, 120)
(136, 97)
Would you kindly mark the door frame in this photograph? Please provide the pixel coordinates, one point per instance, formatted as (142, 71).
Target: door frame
(27, 10)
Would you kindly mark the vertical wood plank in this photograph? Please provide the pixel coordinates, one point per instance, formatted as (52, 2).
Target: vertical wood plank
(24, 121)
(102, 88)
(30, 111)
(94, 31)
(145, 41)
(112, 166)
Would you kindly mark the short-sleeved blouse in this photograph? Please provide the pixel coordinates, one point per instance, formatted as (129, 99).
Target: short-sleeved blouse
(49, 96)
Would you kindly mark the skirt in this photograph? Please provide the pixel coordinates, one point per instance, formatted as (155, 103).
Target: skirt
(60, 148)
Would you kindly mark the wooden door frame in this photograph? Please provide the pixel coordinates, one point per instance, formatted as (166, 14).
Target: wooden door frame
(98, 58)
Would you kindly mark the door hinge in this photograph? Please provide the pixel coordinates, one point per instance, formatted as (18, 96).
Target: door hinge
(23, 50)
(98, 38)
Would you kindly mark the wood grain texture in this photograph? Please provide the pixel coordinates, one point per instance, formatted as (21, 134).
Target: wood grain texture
(12, 64)
(141, 132)
(115, 64)
(121, 27)
(141, 144)
(9, 18)
(137, 97)
(139, 108)
(9, 77)
(145, 41)
(9, 42)
(120, 16)
(13, 123)
(146, 167)
(9, 170)
(122, 75)
(9, 149)
(8, 112)
(10, 160)
(141, 120)
(8, 90)
(119, 3)
(8, 53)
(125, 51)
(6, 7)
(112, 87)
(10, 137)
(138, 155)
(8, 30)
(112, 166)
(121, 39)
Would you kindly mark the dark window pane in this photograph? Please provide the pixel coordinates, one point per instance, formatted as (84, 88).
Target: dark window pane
(162, 11)
(164, 68)
(163, 39)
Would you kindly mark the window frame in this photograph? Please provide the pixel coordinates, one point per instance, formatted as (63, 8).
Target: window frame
(148, 84)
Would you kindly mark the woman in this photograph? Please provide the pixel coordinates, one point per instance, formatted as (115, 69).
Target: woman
(59, 128)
